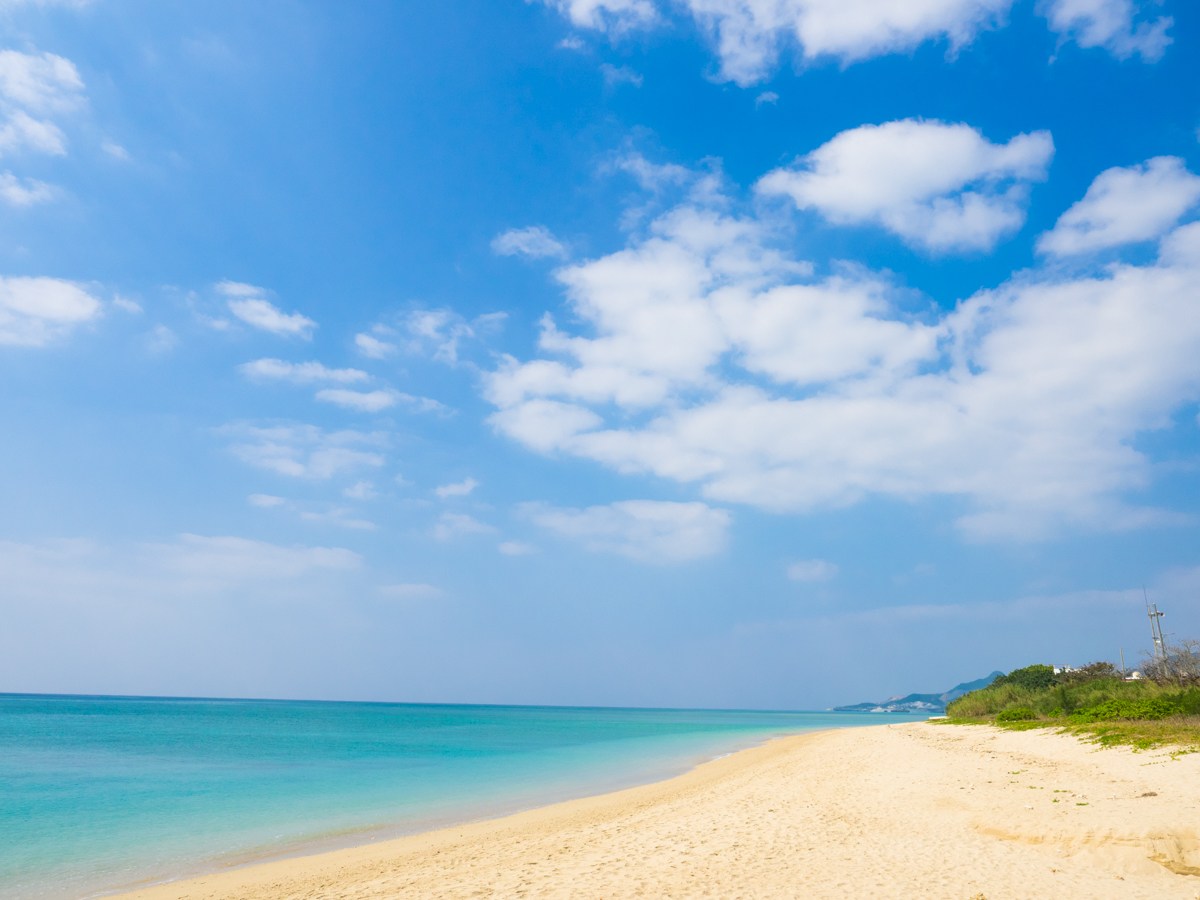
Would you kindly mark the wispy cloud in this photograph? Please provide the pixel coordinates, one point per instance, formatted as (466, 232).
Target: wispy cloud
(534, 241)
(457, 489)
(249, 303)
(454, 525)
(812, 570)
(300, 373)
(650, 531)
(303, 451)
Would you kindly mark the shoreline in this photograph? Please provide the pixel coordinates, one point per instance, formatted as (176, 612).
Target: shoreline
(912, 809)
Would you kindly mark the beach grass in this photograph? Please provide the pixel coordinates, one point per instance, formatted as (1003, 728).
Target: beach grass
(1097, 705)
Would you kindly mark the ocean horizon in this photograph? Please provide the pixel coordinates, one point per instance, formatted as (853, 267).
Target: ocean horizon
(103, 793)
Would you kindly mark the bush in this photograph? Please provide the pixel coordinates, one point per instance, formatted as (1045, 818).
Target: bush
(1130, 709)
(1032, 678)
(1016, 714)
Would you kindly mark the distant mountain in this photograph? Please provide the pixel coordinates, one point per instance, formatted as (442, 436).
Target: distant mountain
(921, 703)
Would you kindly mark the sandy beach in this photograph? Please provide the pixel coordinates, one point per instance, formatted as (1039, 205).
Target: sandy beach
(903, 810)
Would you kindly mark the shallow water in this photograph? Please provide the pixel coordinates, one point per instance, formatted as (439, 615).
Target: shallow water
(97, 793)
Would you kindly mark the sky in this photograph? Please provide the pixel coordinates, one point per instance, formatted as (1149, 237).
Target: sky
(704, 353)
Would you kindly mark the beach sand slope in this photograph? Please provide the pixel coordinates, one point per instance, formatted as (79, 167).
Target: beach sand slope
(913, 810)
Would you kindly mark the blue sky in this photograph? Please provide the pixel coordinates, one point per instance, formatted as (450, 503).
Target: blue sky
(756, 353)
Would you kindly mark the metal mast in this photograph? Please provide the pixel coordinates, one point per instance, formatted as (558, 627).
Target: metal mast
(1156, 632)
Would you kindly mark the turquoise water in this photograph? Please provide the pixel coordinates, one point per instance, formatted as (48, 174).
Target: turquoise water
(98, 793)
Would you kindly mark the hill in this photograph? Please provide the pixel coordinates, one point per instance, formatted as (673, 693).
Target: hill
(933, 704)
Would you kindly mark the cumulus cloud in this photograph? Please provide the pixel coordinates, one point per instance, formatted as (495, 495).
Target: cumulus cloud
(1125, 205)
(650, 531)
(299, 373)
(812, 570)
(939, 186)
(535, 242)
(607, 15)
(748, 35)
(704, 355)
(457, 489)
(250, 304)
(20, 131)
(37, 311)
(303, 451)
(1109, 24)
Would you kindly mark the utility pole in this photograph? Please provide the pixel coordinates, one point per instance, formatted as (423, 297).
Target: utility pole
(1156, 632)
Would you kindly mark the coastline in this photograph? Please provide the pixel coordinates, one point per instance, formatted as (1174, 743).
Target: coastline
(911, 809)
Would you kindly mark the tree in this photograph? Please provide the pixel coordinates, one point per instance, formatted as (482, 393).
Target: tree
(1181, 665)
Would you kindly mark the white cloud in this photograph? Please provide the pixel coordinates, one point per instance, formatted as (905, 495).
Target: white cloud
(377, 401)
(607, 15)
(440, 333)
(337, 517)
(36, 311)
(116, 151)
(615, 76)
(457, 489)
(248, 303)
(372, 347)
(1109, 24)
(39, 82)
(453, 525)
(812, 570)
(242, 559)
(748, 35)
(300, 373)
(303, 451)
(1125, 205)
(265, 501)
(23, 132)
(938, 186)
(516, 548)
(766, 98)
(651, 531)
(21, 192)
(704, 356)
(360, 490)
(534, 242)
(161, 339)
(410, 591)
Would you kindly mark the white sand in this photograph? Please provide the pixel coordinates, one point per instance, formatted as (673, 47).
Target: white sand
(895, 811)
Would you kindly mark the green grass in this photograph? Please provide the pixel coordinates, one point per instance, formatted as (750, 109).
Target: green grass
(1106, 710)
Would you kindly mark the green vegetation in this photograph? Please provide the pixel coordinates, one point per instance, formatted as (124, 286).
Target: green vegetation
(1094, 701)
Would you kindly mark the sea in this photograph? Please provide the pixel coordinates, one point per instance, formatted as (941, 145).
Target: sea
(100, 794)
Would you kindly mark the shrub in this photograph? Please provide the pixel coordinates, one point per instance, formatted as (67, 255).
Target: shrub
(1130, 709)
(1032, 678)
(1016, 714)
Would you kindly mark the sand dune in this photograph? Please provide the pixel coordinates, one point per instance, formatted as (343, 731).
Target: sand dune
(896, 811)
